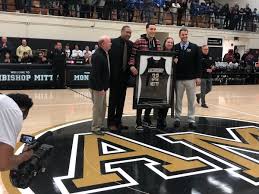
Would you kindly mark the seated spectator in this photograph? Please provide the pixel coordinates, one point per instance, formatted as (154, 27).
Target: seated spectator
(67, 51)
(41, 59)
(95, 48)
(5, 47)
(7, 58)
(77, 53)
(244, 55)
(26, 58)
(87, 57)
(229, 57)
(45, 54)
(23, 48)
(87, 50)
(236, 56)
(250, 59)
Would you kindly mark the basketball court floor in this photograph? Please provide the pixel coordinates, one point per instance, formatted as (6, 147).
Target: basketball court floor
(220, 157)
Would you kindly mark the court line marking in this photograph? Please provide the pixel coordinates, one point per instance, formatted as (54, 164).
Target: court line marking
(131, 181)
(234, 110)
(68, 104)
(72, 160)
(233, 167)
(19, 150)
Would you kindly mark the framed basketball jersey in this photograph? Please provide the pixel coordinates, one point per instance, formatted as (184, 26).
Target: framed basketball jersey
(154, 83)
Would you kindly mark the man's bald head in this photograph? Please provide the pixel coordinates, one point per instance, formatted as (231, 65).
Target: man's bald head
(105, 43)
(205, 49)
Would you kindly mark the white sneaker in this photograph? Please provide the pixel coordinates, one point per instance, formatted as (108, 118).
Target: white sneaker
(148, 125)
(139, 128)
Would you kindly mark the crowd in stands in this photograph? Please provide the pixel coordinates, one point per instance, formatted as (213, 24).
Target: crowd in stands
(232, 60)
(25, 54)
(233, 56)
(196, 13)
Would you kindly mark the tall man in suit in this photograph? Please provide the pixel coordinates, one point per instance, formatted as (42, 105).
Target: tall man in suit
(99, 82)
(187, 74)
(119, 56)
(58, 57)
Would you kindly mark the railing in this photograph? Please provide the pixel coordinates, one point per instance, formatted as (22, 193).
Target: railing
(118, 12)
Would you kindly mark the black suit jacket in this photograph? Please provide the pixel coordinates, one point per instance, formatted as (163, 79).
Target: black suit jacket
(116, 58)
(99, 76)
(189, 62)
(58, 58)
(4, 50)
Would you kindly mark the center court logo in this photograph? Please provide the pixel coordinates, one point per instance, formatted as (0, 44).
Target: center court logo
(104, 156)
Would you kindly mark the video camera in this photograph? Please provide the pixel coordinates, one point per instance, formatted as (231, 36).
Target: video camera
(23, 175)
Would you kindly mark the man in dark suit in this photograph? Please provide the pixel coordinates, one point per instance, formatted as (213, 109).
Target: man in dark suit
(187, 74)
(119, 56)
(207, 66)
(58, 57)
(99, 82)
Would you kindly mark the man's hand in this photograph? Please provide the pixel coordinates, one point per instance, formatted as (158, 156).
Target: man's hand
(198, 81)
(26, 155)
(176, 60)
(209, 70)
(8, 160)
(25, 148)
(102, 93)
(133, 70)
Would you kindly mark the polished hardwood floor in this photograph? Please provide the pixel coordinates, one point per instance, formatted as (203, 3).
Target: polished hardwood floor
(56, 107)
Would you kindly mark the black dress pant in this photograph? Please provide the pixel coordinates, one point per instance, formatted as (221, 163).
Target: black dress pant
(59, 78)
(116, 102)
(162, 113)
(146, 116)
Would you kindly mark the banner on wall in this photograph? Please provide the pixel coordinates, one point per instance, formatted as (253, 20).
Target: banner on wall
(30, 76)
(37, 75)
(78, 77)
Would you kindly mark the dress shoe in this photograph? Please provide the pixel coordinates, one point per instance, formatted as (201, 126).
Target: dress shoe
(198, 98)
(123, 127)
(99, 132)
(177, 124)
(113, 128)
(139, 128)
(161, 124)
(192, 126)
(204, 106)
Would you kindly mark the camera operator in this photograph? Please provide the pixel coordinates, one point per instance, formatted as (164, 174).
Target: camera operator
(14, 108)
